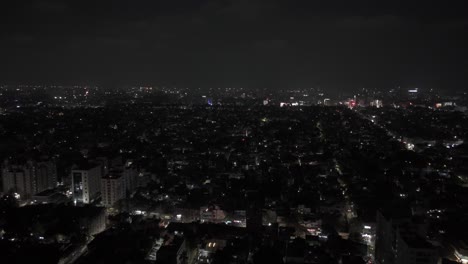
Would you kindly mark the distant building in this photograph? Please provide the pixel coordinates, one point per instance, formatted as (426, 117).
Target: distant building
(399, 242)
(376, 103)
(29, 178)
(86, 183)
(45, 175)
(386, 234)
(120, 180)
(18, 179)
(130, 173)
(113, 188)
(411, 248)
(211, 214)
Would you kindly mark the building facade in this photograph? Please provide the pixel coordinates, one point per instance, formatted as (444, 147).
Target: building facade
(113, 188)
(86, 183)
(28, 178)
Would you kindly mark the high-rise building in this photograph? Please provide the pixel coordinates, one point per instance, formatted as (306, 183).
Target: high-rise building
(411, 248)
(86, 183)
(28, 178)
(387, 223)
(113, 188)
(18, 179)
(120, 180)
(400, 241)
(130, 173)
(45, 175)
(413, 94)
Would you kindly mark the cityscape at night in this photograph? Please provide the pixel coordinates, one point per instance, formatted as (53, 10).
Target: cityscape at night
(237, 132)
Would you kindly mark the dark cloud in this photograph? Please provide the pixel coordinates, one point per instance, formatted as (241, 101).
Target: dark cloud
(49, 7)
(276, 43)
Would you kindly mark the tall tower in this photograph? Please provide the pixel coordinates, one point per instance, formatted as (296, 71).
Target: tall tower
(86, 183)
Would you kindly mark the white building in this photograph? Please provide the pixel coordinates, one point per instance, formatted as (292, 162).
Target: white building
(28, 178)
(86, 183)
(113, 188)
(19, 180)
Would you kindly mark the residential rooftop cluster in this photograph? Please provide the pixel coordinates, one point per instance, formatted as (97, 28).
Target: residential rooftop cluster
(243, 181)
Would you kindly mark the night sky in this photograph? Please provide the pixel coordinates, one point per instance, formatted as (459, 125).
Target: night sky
(339, 45)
